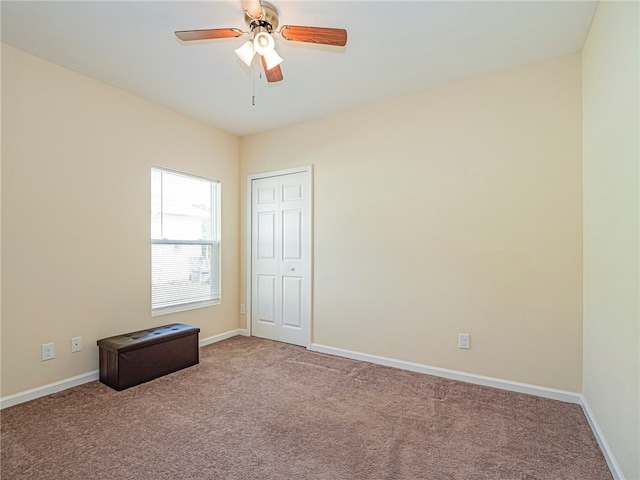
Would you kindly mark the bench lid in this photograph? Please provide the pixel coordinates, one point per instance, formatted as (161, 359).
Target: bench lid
(129, 341)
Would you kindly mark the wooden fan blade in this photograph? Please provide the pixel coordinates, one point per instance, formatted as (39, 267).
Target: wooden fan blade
(253, 7)
(324, 36)
(189, 35)
(273, 75)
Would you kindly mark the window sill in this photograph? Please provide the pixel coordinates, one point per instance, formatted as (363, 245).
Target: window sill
(183, 307)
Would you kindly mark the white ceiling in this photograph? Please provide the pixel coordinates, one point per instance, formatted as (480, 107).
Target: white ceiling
(394, 48)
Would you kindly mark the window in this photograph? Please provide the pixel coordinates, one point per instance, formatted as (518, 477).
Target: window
(185, 241)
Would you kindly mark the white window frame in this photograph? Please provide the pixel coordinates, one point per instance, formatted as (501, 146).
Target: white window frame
(215, 243)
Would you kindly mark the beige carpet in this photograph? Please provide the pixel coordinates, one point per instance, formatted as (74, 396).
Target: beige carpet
(255, 409)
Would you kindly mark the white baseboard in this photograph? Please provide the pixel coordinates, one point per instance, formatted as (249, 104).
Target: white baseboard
(44, 390)
(602, 441)
(223, 336)
(545, 392)
(55, 387)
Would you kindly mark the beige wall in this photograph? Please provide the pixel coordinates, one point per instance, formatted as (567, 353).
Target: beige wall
(458, 209)
(76, 158)
(611, 222)
(454, 210)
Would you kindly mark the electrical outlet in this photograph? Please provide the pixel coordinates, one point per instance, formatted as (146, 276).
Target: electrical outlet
(76, 344)
(243, 309)
(48, 351)
(464, 340)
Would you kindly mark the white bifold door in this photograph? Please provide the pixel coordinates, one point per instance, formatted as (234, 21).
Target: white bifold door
(281, 258)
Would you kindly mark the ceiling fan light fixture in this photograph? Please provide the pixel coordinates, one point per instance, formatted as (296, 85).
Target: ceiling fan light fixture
(261, 18)
(246, 52)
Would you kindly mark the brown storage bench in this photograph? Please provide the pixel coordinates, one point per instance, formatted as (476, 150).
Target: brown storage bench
(137, 357)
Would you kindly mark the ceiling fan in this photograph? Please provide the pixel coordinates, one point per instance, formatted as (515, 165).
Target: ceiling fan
(262, 20)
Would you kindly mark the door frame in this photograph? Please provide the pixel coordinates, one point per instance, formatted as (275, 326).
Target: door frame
(249, 238)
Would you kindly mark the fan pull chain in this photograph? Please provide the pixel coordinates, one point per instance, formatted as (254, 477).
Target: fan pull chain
(253, 85)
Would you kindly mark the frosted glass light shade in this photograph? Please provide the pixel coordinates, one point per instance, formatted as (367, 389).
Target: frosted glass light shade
(246, 52)
(263, 43)
(265, 46)
(272, 59)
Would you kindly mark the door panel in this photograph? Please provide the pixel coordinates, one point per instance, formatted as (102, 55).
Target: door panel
(281, 258)
(266, 298)
(266, 195)
(266, 235)
(292, 302)
(291, 192)
(292, 235)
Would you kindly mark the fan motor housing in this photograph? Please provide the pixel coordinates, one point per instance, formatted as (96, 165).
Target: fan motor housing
(269, 18)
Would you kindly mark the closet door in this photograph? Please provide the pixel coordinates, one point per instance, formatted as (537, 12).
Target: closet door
(281, 258)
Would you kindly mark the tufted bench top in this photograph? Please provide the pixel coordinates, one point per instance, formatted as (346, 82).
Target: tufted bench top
(151, 336)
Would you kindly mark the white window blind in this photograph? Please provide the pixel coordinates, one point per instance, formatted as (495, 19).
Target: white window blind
(185, 241)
